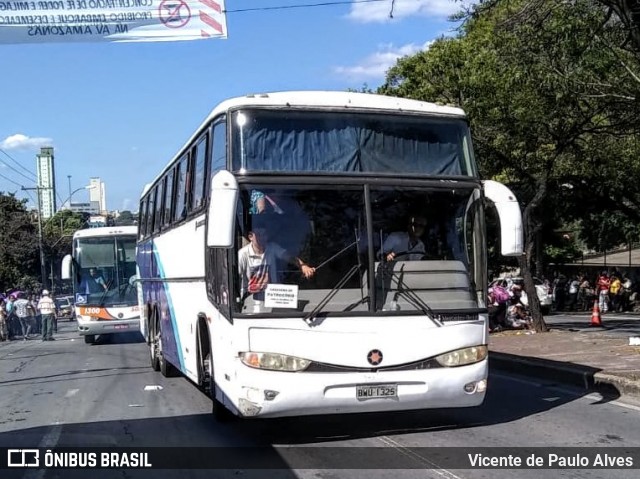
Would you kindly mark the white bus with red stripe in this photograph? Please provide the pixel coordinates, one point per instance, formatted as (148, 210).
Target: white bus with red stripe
(102, 267)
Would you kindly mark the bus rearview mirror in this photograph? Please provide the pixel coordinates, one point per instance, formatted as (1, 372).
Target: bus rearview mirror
(510, 217)
(66, 267)
(222, 210)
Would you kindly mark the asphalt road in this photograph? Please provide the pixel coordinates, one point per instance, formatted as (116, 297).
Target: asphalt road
(69, 394)
(617, 324)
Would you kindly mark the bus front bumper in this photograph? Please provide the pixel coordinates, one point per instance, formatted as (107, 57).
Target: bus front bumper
(277, 394)
(112, 326)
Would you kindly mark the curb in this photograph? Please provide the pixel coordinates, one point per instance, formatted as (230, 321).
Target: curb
(584, 377)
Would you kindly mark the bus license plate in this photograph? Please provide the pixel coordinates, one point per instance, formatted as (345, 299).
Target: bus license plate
(120, 326)
(378, 391)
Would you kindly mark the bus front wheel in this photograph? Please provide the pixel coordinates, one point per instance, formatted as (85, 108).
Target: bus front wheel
(219, 411)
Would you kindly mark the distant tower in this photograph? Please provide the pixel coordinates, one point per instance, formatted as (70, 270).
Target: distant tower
(46, 182)
(97, 195)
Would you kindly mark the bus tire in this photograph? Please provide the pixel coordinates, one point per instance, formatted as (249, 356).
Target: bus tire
(89, 339)
(218, 410)
(153, 332)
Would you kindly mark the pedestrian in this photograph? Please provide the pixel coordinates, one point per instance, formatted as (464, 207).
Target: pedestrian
(47, 309)
(4, 332)
(24, 312)
(12, 326)
(574, 287)
(615, 293)
(36, 320)
(602, 288)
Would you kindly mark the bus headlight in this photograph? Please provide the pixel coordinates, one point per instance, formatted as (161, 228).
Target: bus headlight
(274, 361)
(462, 357)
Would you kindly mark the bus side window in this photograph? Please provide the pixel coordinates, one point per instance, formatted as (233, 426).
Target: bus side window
(199, 165)
(168, 199)
(188, 186)
(150, 211)
(219, 147)
(159, 197)
(217, 279)
(181, 180)
(142, 217)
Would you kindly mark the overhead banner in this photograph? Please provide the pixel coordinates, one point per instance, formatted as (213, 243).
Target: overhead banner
(111, 20)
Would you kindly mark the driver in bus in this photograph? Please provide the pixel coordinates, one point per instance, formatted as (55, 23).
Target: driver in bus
(257, 263)
(93, 283)
(406, 245)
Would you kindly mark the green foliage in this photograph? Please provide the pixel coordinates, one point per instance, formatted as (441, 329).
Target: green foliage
(551, 94)
(57, 235)
(64, 222)
(19, 254)
(126, 218)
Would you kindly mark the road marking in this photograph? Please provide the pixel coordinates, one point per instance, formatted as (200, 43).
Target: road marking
(402, 449)
(153, 388)
(599, 397)
(49, 440)
(71, 392)
(568, 391)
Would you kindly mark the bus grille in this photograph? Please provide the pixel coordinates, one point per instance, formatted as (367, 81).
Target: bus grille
(316, 367)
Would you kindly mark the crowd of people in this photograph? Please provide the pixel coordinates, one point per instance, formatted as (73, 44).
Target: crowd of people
(26, 316)
(507, 309)
(611, 291)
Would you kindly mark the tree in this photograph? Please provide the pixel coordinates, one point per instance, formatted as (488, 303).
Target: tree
(126, 218)
(19, 254)
(526, 86)
(57, 238)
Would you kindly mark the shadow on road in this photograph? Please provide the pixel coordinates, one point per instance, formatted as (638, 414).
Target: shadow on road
(503, 404)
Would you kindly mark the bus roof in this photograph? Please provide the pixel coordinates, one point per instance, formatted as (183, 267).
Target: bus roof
(106, 231)
(339, 100)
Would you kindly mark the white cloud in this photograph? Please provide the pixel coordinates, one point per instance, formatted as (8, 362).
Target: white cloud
(23, 142)
(375, 66)
(379, 11)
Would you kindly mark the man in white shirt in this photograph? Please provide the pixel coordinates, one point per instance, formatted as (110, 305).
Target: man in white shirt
(257, 264)
(406, 245)
(47, 309)
(24, 312)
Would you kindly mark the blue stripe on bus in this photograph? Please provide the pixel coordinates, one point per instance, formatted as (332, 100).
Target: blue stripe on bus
(172, 315)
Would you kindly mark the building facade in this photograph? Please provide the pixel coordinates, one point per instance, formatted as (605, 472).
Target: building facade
(97, 195)
(91, 208)
(46, 182)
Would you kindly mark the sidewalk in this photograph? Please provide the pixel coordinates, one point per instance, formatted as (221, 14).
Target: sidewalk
(572, 352)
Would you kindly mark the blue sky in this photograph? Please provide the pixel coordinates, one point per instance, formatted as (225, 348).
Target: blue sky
(120, 111)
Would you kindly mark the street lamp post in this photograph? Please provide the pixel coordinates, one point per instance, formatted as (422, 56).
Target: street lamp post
(88, 187)
(43, 269)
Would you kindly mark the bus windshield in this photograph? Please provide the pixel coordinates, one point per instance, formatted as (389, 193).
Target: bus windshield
(426, 248)
(339, 142)
(104, 266)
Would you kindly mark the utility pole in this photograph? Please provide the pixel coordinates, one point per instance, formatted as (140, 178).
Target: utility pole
(69, 178)
(43, 270)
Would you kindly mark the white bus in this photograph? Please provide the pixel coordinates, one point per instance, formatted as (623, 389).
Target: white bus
(272, 185)
(102, 267)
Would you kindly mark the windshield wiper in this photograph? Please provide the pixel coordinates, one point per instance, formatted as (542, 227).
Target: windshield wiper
(412, 297)
(310, 317)
(101, 303)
